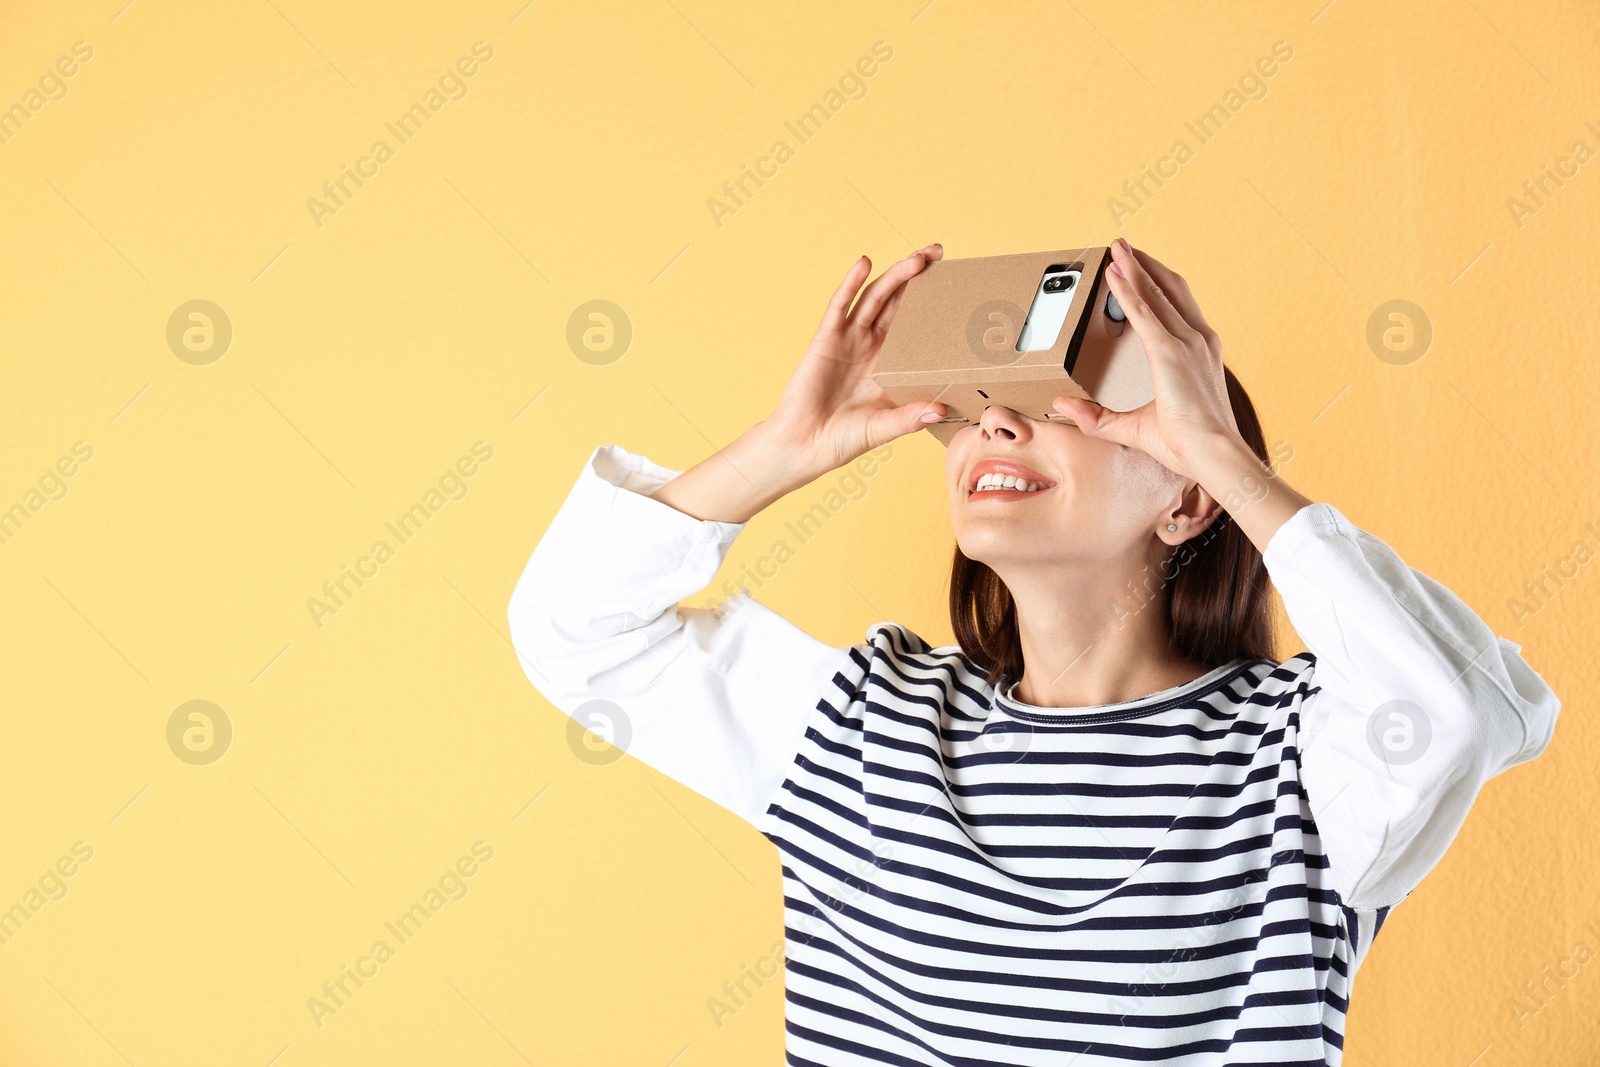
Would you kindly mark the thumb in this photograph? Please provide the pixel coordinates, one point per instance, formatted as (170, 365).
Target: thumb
(907, 418)
(1100, 422)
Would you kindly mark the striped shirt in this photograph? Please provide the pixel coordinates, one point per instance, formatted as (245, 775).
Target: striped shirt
(1191, 877)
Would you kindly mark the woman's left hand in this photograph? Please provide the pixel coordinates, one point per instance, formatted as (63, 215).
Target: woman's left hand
(1191, 396)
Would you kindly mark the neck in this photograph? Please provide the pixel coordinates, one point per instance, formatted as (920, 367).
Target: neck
(1093, 634)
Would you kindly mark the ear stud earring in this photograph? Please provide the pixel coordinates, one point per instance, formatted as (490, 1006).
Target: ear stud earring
(1171, 526)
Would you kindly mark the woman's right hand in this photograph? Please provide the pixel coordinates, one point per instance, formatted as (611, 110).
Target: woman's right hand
(832, 410)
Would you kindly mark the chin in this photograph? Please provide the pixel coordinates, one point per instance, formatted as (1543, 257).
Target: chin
(983, 538)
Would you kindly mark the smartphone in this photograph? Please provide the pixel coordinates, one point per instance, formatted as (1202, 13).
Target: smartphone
(1051, 302)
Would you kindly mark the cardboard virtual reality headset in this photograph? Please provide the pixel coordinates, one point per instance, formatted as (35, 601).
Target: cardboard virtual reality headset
(1018, 331)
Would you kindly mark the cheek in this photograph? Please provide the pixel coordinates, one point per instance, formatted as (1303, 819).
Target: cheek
(1115, 492)
(1142, 487)
(955, 461)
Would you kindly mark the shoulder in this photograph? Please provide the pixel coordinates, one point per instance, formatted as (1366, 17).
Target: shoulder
(898, 665)
(1274, 696)
(1269, 685)
(1293, 676)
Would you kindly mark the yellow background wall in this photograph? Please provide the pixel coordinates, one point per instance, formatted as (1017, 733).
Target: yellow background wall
(374, 346)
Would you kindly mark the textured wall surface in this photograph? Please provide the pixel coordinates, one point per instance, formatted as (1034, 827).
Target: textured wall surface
(279, 273)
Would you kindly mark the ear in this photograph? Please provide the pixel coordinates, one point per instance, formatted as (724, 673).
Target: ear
(1192, 511)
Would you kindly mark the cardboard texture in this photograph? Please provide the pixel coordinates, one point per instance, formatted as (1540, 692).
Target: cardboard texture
(955, 334)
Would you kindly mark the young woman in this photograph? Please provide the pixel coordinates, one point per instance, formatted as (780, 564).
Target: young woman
(1108, 826)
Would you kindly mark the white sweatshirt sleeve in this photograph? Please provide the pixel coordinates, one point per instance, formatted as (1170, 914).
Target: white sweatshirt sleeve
(1416, 703)
(715, 699)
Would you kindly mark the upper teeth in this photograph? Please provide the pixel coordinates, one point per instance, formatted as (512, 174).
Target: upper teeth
(1006, 481)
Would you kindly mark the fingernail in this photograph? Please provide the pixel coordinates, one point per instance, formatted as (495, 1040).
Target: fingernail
(1116, 270)
(1123, 241)
(929, 416)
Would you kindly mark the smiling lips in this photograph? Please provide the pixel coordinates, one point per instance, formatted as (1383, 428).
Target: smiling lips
(1004, 480)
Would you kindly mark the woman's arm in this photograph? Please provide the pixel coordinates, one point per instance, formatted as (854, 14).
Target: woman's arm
(1416, 703)
(715, 699)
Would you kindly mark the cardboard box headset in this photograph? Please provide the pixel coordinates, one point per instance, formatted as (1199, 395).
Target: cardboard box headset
(1016, 330)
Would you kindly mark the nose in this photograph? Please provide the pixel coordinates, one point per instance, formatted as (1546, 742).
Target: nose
(998, 420)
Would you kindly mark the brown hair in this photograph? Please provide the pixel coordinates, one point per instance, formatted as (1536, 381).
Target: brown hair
(1216, 585)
